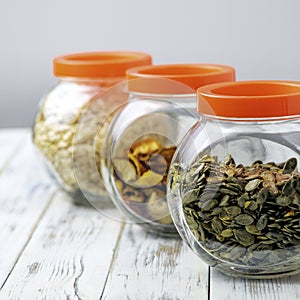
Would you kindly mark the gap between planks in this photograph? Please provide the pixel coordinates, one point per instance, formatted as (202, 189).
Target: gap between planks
(69, 255)
(29, 238)
(26, 190)
(149, 266)
(116, 252)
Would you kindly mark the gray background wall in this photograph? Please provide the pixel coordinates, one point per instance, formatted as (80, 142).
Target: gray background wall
(261, 38)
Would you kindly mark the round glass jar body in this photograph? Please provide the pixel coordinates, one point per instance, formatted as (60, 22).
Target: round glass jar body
(143, 135)
(69, 116)
(234, 185)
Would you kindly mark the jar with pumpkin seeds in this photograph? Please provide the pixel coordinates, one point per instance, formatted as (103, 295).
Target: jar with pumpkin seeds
(69, 116)
(234, 181)
(143, 135)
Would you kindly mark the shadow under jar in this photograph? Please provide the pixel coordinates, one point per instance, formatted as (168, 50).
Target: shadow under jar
(234, 184)
(68, 118)
(143, 135)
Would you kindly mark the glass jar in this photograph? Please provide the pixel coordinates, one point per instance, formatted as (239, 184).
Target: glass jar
(143, 135)
(68, 117)
(234, 185)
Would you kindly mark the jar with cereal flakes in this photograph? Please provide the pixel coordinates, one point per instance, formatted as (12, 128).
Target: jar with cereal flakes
(143, 135)
(69, 115)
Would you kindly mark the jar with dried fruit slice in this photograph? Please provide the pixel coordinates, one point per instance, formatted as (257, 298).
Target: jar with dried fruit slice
(143, 135)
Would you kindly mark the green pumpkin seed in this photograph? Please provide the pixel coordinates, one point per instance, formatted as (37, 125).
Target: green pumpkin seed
(216, 225)
(241, 200)
(244, 219)
(252, 229)
(227, 233)
(262, 195)
(233, 210)
(283, 200)
(262, 222)
(244, 238)
(290, 166)
(252, 185)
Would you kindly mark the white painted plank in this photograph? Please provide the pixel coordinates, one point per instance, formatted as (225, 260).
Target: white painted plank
(10, 141)
(224, 287)
(25, 190)
(68, 257)
(151, 267)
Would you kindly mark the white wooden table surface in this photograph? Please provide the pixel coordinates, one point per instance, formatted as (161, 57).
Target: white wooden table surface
(51, 249)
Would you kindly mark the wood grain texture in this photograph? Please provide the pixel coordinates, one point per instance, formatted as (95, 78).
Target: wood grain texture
(224, 287)
(68, 257)
(147, 266)
(25, 192)
(51, 249)
(10, 142)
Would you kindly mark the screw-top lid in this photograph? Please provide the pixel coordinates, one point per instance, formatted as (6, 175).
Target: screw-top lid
(250, 99)
(99, 64)
(191, 75)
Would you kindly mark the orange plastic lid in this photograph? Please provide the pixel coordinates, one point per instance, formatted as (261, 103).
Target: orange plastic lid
(250, 99)
(190, 75)
(99, 64)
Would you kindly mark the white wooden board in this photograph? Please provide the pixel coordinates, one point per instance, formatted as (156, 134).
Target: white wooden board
(151, 267)
(51, 249)
(68, 257)
(223, 287)
(25, 191)
(10, 142)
